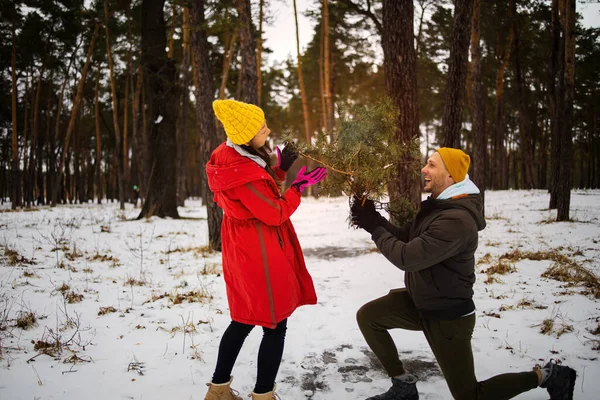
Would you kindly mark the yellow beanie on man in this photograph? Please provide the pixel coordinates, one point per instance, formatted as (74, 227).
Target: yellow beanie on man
(456, 162)
(242, 121)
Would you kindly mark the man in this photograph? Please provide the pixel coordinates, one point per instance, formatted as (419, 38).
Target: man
(436, 252)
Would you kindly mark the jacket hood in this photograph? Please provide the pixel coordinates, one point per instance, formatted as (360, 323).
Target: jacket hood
(473, 204)
(227, 169)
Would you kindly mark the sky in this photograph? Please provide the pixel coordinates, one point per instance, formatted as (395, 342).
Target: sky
(281, 35)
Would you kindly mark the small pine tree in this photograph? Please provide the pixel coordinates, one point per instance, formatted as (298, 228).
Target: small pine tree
(362, 155)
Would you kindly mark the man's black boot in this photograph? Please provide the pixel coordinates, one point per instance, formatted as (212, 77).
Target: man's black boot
(404, 388)
(560, 381)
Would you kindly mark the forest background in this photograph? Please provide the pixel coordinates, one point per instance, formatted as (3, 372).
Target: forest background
(107, 96)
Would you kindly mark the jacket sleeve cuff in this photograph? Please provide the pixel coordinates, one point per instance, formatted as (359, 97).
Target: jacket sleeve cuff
(380, 230)
(279, 173)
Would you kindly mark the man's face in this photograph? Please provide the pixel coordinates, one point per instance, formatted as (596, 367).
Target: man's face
(437, 177)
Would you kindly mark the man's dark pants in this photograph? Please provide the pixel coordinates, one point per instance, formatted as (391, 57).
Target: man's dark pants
(449, 340)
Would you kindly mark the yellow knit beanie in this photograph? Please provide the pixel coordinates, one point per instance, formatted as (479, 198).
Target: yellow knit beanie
(456, 161)
(241, 121)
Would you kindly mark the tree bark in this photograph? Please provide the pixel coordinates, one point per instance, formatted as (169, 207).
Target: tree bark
(305, 114)
(565, 182)
(499, 150)
(204, 112)
(327, 67)
(183, 131)
(76, 102)
(16, 174)
(525, 148)
(99, 183)
(259, 53)
(478, 154)
(160, 77)
(555, 90)
(457, 73)
(227, 64)
(115, 113)
(400, 68)
(322, 81)
(249, 76)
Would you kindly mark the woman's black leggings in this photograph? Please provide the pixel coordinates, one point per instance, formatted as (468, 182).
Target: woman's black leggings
(269, 354)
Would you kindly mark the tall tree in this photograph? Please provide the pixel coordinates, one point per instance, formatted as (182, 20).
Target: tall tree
(556, 98)
(457, 72)
(477, 104)
(259, 50)
(160, 103)
(400, 80)
(74, 113)
(16, 176)
(205, 114)
(115, 111)
(327, 67)
(301, 81)
(565, 181)
(249, 76)
(526, 148)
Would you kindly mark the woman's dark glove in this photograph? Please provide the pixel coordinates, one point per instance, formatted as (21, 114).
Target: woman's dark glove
(364, 215)
(286, 158)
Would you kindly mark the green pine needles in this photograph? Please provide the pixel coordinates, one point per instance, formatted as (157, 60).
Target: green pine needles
(362, 154)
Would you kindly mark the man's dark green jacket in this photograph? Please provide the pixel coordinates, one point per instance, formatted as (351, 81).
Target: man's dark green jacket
(436, 250)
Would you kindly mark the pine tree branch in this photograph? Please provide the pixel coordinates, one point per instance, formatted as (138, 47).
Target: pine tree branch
(324, 164)
(367, 13)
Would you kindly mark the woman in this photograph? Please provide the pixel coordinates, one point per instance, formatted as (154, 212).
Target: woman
(263, 265)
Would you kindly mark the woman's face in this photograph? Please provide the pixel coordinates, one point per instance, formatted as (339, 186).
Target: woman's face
(260, 139)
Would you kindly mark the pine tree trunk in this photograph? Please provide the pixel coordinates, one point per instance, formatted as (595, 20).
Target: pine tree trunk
(565, 182)
(182, 140)
(327, 67)
(259, 52)
(76, 102)
(305, 114)
(478, 154)
(249, 76)
(15, 167)
(322, 82)
(457, 73)
(525, 148)
(99, 183)
(499, 151)
(125, 148)
(401, 86)
(555, 101)
(115, 113)
(204, 112)
(160, 82)
(32, 189)
(227, 64)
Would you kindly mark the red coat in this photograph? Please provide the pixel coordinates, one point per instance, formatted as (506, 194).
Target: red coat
(263, 265)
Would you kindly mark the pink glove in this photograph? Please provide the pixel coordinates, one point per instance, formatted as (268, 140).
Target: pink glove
(305, 179)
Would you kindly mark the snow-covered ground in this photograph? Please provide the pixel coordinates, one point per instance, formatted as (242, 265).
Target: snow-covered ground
(170, 308)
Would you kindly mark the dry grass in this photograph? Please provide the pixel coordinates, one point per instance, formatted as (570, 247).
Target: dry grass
(530, 304)
(26, 320)
(63, 288)
(131, 281)
(211, 269)
(551, 326)
(486, 259)
(491, 314)
(73, 297)
(29, 274)
(73, 254)
(564, 269)
(103, 258)
(14, 258)
(106, 310)
(501, 267)
(596, 331)
(193, 296)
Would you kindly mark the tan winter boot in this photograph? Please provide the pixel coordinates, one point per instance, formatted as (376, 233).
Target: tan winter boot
(266, 396)
(221, 391)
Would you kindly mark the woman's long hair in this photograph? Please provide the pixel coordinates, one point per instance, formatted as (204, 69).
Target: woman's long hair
(263, 153)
